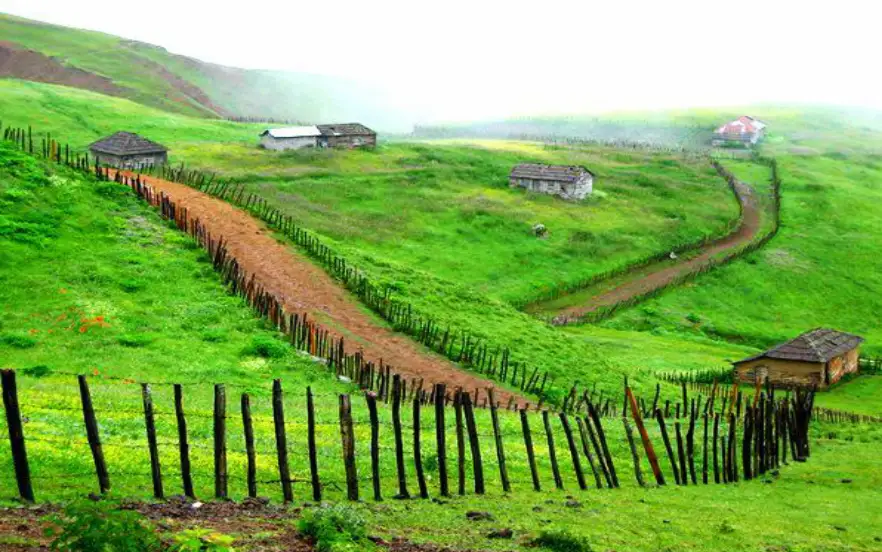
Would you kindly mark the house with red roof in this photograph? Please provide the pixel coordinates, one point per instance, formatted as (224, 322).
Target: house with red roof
(744, 130)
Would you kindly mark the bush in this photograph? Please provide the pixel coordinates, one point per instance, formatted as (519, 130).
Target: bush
(202, 540)
(134, 340)
(18, 341)
(266, 347)
(561, 540)
(88, 526)
(335, 528)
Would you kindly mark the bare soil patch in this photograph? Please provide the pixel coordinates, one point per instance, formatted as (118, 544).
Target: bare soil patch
(303, 287)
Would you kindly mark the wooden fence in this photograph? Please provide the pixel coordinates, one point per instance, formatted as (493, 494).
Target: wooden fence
(729, 448)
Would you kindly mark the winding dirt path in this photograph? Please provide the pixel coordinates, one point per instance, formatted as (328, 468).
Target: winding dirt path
(650, 278)
(303, 287)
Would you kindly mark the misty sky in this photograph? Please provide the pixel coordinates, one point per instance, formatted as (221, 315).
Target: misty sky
(458, 60)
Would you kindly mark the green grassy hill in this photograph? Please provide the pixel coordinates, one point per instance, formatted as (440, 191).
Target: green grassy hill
(152, 76)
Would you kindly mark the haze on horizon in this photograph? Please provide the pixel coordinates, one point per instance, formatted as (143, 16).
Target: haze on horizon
(469, 60)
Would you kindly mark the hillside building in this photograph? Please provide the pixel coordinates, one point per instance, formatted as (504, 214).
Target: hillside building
(566, 181)
(290, 138)
(344, 135)
(127, 150)
(816, 358)
(744, 130)
(347, 135)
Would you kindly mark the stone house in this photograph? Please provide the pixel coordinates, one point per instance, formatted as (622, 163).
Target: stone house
(566, 181)
(127, 150)
(816, 358)
(290, 138)
(347, 135)
(744, 130)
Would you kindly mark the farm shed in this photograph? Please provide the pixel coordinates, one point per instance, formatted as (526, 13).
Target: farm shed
(290, 137)
(127, 150)
(347, 135)
(566, 181)
(744, 130)
(816, 358)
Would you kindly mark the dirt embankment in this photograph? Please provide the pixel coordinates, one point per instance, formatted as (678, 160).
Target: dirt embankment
(643, 283)
(302, 287)
(18, 63)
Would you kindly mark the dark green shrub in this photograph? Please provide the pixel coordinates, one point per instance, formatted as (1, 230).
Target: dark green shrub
(266, 347)
(134, 340)
(88, 526)
(18, 340)
(37, 371)
(561, 540)
(336, 528)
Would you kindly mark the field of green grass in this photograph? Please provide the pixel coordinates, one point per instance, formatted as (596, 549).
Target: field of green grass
(821, 270)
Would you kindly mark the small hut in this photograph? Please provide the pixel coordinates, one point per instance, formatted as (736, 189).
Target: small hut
(566, 181)
(347, 135)
(817, 358)
(127, 150)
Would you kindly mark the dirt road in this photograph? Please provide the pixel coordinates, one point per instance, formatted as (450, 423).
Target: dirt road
(302, 287)
(649, 279)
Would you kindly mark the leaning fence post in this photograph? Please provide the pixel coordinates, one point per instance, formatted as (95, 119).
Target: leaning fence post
(552, 455)
(716, 438)
(500, 451)
(638, 473)
(441, 437)
(248, 429)
(371, 399)
(313, 453)
(417, 452)
(644, 437)
(399, 440)
(664, 433)
(347, 438)
(608, 462)
(574, 451)
(528, 444)
(220, 441)
(583, 434)
(183, 443)
(93, 436)
(155, 468)
(477, 463)
(281, 441)
(16, 435)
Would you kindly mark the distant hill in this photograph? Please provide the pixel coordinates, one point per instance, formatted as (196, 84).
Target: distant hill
(150, 75)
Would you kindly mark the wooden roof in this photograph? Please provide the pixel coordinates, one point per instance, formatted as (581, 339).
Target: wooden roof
(345, 129)
(819, 345)
(560, 173)
(126, 143)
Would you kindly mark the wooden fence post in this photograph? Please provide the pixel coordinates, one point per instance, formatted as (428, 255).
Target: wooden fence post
(417, 450)
(644, 436)
(281, 441)
(664, 433)
(248, 429)
(16, 435)
(500, 450)
(441, 437)
(681, 454)
(607, 457)
(93, 436)
(704, 452)
(716, 438)
(574, 452)
(471, 427)
(528, 444)
(155, 468)
(347, 437)
(460, 442)
(399, 440)
(583, 434)
(552, 455)
(183, 443)
(371, 399)
(638, 473)
(220, 441)
(313, 453)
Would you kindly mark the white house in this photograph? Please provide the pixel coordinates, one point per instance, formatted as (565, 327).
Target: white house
(290, 138)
